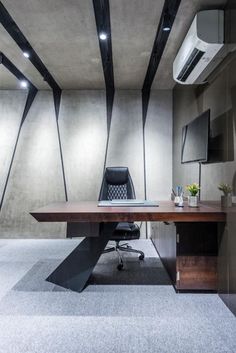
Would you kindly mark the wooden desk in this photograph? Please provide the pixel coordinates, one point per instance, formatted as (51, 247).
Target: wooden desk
(99, 223)
(88, 211)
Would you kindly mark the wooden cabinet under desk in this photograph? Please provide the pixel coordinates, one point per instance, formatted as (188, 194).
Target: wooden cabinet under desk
(189, 253)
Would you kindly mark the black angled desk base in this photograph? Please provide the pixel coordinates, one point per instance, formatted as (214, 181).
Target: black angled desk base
(74, 272)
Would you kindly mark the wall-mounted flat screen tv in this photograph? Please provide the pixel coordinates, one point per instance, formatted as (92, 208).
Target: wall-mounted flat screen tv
(195, 139)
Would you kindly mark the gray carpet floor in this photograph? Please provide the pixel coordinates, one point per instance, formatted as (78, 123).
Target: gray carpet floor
(133, 311)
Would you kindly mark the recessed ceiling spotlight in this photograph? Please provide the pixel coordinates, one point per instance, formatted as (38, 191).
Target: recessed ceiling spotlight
(26, 54)
(166, 28)
(166, 23)
(103, 36)
(24, 84)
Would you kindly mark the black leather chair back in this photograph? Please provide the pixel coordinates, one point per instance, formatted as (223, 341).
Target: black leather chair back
(117, 184)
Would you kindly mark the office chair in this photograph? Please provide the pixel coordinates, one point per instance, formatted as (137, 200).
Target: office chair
(117, 184)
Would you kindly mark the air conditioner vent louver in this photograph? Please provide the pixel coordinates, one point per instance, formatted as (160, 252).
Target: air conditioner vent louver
(203, 43)
(192, 61)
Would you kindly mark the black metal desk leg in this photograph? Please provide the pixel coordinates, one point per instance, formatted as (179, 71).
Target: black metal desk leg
(74, 272)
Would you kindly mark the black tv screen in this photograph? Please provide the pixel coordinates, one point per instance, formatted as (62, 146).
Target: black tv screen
(195, 138)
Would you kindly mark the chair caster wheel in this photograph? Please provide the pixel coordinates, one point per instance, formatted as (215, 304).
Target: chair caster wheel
(141, 257)
(120, 267)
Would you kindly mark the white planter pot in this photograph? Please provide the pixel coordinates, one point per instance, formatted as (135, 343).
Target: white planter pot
(226, 201)
(193, 201)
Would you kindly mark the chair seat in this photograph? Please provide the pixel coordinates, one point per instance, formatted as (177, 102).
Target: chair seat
(125, 231)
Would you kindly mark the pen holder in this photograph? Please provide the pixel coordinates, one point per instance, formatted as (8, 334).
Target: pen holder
(177, 200)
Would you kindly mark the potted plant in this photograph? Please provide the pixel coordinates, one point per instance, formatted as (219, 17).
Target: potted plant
(226, 199)
(193, 189)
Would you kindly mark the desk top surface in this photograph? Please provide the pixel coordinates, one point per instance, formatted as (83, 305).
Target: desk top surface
(88, 211)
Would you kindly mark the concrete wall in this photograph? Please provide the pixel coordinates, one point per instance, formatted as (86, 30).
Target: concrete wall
(36, 176)
(11, 110)
(126, 142)
(158, 142)
(83, 131)
(125, 146)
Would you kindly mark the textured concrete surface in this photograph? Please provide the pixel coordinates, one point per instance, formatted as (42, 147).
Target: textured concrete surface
(83, 129)
(131, 318)
(36, 176)
(158, 142)
(9, 47)
(133, 25)
(83, 132)
(11, 110)
(64, 35)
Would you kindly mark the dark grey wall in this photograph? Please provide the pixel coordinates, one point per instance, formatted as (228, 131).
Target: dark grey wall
(188, 103)
(36, 177)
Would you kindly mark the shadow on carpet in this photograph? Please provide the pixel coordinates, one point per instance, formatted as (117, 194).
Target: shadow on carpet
(135, 272)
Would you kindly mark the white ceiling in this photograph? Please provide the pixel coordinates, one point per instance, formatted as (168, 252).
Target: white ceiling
(63, 33)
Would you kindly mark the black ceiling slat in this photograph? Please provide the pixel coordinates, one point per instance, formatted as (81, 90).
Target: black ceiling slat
(103, 24)
(170, 7)
(14, 31)
(102, 17)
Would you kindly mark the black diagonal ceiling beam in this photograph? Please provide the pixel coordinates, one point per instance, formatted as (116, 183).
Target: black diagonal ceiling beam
(15, 71)
(102, 16)
(169, 11)
(14, 31)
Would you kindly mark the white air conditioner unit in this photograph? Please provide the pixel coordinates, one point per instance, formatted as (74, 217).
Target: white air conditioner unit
(204, 40)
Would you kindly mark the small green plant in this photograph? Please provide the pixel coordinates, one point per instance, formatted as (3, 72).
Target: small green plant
(193, 189)
(227, 189)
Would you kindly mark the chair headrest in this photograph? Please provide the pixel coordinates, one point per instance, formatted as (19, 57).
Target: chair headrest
(117, 175)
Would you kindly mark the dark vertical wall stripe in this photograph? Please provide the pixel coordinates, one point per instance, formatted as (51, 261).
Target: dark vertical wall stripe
(57, 103)
(62, 160)
(109, 103)
(109, 100)
(30, 98)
